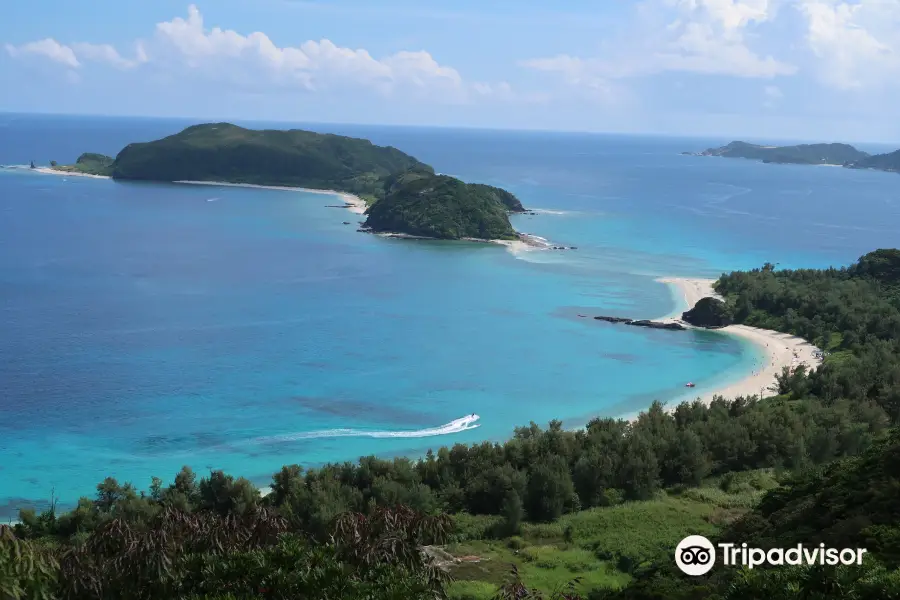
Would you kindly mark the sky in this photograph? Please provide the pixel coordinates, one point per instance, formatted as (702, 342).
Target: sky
(826, 70)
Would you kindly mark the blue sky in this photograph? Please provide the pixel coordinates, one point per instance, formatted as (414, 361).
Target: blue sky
(805, 69)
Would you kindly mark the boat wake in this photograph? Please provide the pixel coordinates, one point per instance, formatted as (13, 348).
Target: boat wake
(547, 211)
(464, 424)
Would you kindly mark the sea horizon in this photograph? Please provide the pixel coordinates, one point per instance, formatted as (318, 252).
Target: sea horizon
(154, 325)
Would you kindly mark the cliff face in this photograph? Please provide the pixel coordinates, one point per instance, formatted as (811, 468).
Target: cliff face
(708, 312)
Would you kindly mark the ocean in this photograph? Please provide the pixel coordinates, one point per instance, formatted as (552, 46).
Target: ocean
(144, 327)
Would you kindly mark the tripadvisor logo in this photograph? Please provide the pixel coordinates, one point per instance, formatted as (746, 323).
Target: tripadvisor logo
(696, 555)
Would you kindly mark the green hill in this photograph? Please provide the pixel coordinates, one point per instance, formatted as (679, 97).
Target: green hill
(228, 153)
(805, 154)
(882, 162)
(406, 195)
(439, 206)
(90, 163)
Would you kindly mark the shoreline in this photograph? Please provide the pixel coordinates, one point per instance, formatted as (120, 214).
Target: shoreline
(52, 171)
(525, 242)
(779, 349)
(354, 203)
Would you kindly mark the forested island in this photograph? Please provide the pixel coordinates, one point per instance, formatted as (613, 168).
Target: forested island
(420, 203)
(410, 198)
(881, 162)
(592, 514)
(803, 154)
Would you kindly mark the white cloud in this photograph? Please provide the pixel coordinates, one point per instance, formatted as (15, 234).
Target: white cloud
(48, 48)
(697, 36)
(858, 44)
(104, 53)
(75, 55)
(185, 45)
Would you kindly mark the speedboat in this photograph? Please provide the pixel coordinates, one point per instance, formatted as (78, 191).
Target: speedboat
(689, 384)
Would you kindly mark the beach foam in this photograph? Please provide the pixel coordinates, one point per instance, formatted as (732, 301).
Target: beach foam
(456, 426)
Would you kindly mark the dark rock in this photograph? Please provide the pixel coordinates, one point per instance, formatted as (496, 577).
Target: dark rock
(613, 319)
(656, 325)
(710, 313)
(643, 323)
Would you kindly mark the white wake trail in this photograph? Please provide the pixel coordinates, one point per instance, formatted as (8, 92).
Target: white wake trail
(456, 426)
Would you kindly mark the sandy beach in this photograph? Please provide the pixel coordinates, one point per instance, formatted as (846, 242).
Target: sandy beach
(51, 171)
(353, 203)
(779, 349)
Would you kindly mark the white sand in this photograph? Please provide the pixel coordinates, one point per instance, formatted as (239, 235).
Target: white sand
(780, 350)
(354, 203)
(52, 171)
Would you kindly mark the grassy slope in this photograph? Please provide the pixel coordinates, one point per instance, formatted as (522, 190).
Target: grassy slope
(606, 543)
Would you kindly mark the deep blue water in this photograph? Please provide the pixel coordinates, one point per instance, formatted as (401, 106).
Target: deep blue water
(144, 327)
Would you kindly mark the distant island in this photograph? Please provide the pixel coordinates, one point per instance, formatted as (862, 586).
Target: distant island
(881, 162)
(404, 195)
(802, 154)
(420, 203)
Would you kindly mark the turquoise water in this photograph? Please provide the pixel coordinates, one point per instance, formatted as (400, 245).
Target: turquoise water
(145, 327)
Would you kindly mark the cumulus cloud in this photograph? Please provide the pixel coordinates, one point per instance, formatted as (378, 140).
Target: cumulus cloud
(75, 55)
(698, 36)
(47, 48)
(858, 44)
(186, 45)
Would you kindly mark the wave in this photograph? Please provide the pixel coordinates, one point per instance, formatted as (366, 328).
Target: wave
(456, 426)
(547, 211)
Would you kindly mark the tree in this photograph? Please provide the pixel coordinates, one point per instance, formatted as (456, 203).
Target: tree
(687, 462)
(549, 489)
(639, 471)
(513, 513)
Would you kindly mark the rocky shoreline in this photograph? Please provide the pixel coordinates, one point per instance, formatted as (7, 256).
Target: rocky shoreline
(671, 325)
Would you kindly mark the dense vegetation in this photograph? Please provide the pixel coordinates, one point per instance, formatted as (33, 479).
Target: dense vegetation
(415, 200)
(807, 154)
(438, 206)
(225, 152)
(853, 313)
(883, 162)
(90, 163)
(819, 461)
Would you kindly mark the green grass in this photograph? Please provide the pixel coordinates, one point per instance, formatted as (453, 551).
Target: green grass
(471, 590)
(606, 543)
(547, 567)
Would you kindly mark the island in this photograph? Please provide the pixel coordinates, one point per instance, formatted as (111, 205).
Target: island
(802, 154)
(89, 163)
(422, 204)
(881, 162)
(404, 195)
